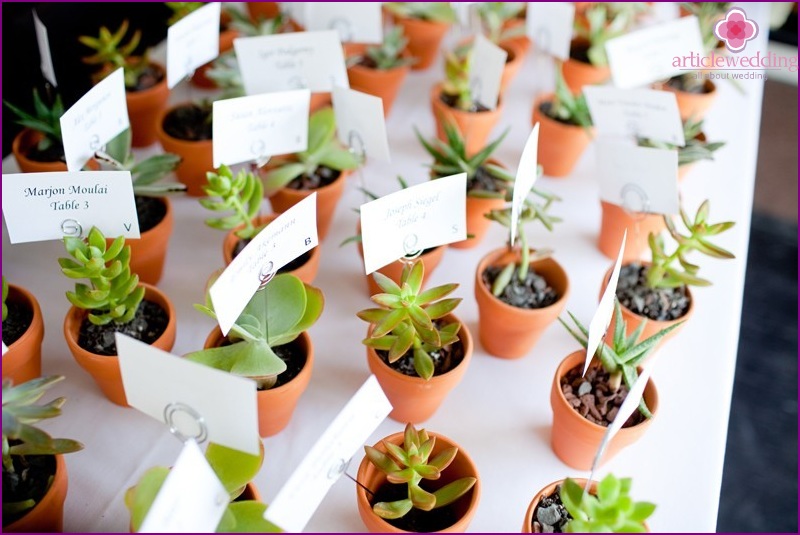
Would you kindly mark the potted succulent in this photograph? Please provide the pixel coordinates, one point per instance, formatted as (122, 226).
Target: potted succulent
(425, 24)
(262, 10)
(145, 81)
(497, 20)
(186, 130)
(113, 301)
(34, 471)
(23, 332)
(487, 180)
(416, 347)
(322, 168)
(566, 128)
(697, 147)
(269, 343)
(417, 482)
(38, 147)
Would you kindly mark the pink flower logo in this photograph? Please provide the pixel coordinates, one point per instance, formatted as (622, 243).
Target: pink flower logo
(736, 29)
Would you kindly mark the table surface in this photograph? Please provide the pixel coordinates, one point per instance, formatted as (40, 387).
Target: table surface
(500, 413)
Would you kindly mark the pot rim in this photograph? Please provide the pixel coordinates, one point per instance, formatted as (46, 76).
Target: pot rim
(176, 140)
(436, 93)
(665, 323)
(26, 296)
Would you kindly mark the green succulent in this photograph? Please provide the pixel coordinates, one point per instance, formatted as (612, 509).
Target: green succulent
(45, 120)
(387, 55)
(494, 15)
(110, 54)
(181, 9)
(146, 173)
(430, 11)
(225, 73)
(611, 510)
(604, 21)
(457, 67)
(409, 464)
(242, 194)
(246, 27)
(567, 107)
(695, 149)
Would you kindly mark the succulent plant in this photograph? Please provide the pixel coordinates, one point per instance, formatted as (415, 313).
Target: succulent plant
(604, 21)
(409, 464)
(695, 149)
(242, 194)
(246, 27)
(430, 11)
(387, 55)
(569, 108)
(611, 510)
(225, 73)
(456, 85)
(110, 54)
(494, 16)
(46, 120)
(181, 9)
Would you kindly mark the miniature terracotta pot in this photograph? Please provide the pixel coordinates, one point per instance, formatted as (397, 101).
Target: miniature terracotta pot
(615, 220)
(382, 83)
(196, 157)
(104, 369)
(579, 73)
(226, 37)
(477, 224)
(462, 466)
(276, 405)
(262, 10)
(575, 439)
(23, 360)
(424, 38)
(24, 142)
(47, 516)
(507, 331)
(692, 105)
(149, 252)
(549, 490)
(514, 61)
(413, 398)
(475, 127)
(144, 108)
(560, 144)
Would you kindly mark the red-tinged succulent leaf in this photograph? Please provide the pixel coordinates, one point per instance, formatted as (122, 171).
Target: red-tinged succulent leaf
(401, 476)
(442, 308)
(423, 364)
(373, 315)
(397, 452)
(421, 499)
(453, 491)
(410, 437)
(427, 447)
(382, 461)
(387, 300)
(392, 510)
(432, 294)
(428, 471)
(444, 458)
(392, 320)
(403, 341)
(386, 284)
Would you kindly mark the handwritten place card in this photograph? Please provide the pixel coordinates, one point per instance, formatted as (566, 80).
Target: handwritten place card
(356, 22)
(640, 179)
(259, 126)
(636, 113)
(414, 219)
(301, 60)
(192, 41)
(488, 62)
(98, 117)
(49, 206)
(195, 400)
(296, 502)
(549, 25)
(46, 59)
(648, 55)
(360, 123)
(291, 234)
(527, 172)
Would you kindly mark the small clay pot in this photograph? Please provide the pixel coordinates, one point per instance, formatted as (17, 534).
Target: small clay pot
(196, 157)
(262, 10)
(144, 108)
(47, 516)
(378, 82)
(549, 490)
(23, 360)
(560, 145)
(424, 38)
(24, 142)
(477, 224)
(579, 73)
(475, 127)
(516, 57)
(692, 105)
(149, 252)
(615, 220)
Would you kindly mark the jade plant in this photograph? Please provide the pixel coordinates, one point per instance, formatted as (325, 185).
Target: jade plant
(22, 438)
(110, 54)
(610, 510)
(696, 147)
(45, 120)
(495, 15)
(429, 11)
(408, 465)
(568, 108)
(146, 173)
(602, 22)
(387, 55)
(242, 194)
(407, 318)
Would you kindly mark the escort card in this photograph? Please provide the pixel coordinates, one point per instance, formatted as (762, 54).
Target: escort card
(192, 41)
(46, 59)
(291, 234)
(98, 117)
(296, 502)
(639, 179)
(300, 60)
(488, 62)
(196, 401)
(360, 123)
(527, 172)
(356, 22)
(49, 206)
(192, 498)
(414, 219)
(636, 113)
(259, 126)
(653, 53)
(549, 25)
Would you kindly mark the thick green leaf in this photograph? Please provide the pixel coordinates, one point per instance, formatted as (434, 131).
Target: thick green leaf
(433, 294)
(234, 468)
(392, 510)
(382, 461)
(139, 498)
(385, 283)
(249, 518)
(442, 308)
(422, 499)
(281, 176)
(453, 491)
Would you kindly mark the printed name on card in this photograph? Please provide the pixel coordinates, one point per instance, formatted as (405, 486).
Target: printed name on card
(50, 206)
(259, 126)
(46, 63)
(527, 172)
(549, 25)
(300, 60)
(296, 502)
(488, 62)
(197, 402)
(192, 41)
(356, 22)
(360, 123)
(291, 234)
(97, 118)
(414, 219)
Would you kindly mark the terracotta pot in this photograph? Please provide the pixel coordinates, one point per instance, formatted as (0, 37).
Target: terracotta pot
(475, 127)
(477, 224)
(196, 157)
(319, 101)
(462, 466)
(574, 438)
(382, 83)
(144, 109)
(549, 490)
(505, 330)
(263, 10)
(105, 369)
(692, 105)
(579, 73)
(276, 405)
(684, 170)
(47, 516)
(514, 61)
(521, 43)
(414, 399)
(149, 252)
(23, 360)
(24, 142)
(560, 145)
(424, 38)
(615, 220)
(226, 37)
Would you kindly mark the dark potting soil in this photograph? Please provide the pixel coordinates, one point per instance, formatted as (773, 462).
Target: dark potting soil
(53, 153)
(149, 78)
(580, 52)
(189, 122)
(533, 292)
(550, 515)
(591, 396)
(323, 176)
(661, 304)
(30, 480)
(294, 357)
(147, 325)
(150, 211)
(444, 359)
(297, 263)
(416, 520)
(687, 83)
(17, 321)
(367, 62)
(451, 100)
(545, 108)
(483, 180)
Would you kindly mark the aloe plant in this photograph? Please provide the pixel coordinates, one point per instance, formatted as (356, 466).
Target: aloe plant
(495, 15)
(695, 148)
(242, 194)
(569, 108)
(45, 120)
(110, 54)
(604, 21)
(387, 55)
(430, 11)
(610, 510)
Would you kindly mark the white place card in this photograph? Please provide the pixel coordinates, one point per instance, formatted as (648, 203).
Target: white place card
(5, 348)
(192, 41)
(527, 172)
(301, 60)
(653, 53)
(97, 118)
(414, 219)
(488, 62)
(291, 234)
(49, 206)
(296, 502)
(635, 113)
(259, 126)
(356, 22)
(360, 123)
(549, 25)
(639, 179)
(46, 59)
(195, 400)
(464, 12)
(192, 498)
